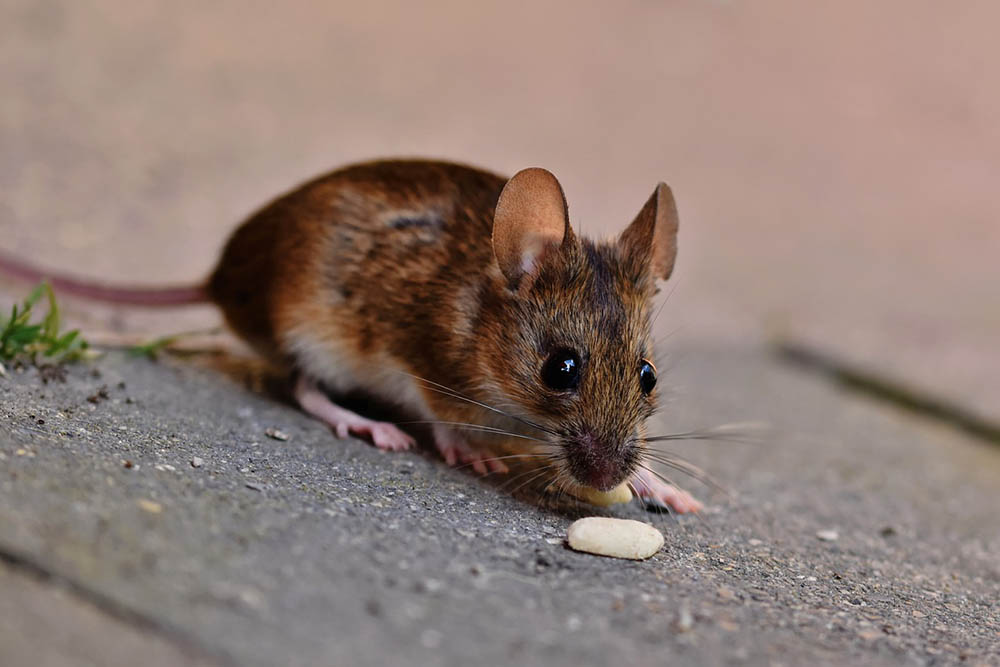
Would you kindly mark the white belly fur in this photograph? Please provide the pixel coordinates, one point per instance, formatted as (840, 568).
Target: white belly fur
(342, 369)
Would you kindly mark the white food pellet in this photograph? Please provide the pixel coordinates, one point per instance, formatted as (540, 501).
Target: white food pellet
(619, 494)
(618, 538)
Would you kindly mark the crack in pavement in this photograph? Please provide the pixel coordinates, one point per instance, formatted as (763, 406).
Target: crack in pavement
(188, 645)
(890, 390)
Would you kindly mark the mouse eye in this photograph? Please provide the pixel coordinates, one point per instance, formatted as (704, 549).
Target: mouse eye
(647, 377)
(562, 370)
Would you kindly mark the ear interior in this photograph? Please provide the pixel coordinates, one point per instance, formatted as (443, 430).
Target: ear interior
(530, 220)
(652, 237)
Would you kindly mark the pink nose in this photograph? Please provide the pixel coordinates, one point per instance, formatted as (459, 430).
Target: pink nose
(594, 464)
(603, 477)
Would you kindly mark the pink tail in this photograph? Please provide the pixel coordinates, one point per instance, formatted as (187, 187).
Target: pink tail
(152, 297)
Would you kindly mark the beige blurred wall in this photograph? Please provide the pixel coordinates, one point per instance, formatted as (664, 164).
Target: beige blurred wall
(833, 162)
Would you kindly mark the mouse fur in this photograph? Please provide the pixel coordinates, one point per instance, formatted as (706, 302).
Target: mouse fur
(444, 288)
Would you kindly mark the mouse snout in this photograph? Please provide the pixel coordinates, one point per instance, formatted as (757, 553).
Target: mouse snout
(594, 462)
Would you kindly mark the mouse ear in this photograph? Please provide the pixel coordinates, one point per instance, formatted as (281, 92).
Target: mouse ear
(530, 220)
(651, 239)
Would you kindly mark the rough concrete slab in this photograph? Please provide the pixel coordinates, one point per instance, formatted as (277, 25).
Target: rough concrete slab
(44, 625)
(319, 551)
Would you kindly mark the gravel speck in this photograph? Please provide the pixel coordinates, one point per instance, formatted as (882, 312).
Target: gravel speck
(685, 621)
(150, 506)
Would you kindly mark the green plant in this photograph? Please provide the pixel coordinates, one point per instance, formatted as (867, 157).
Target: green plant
(20, 337)
(152, 349)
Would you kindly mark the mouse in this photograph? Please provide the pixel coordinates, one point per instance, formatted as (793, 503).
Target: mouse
(464, 298)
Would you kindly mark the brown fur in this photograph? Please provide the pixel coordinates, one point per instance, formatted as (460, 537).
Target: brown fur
(393, 262)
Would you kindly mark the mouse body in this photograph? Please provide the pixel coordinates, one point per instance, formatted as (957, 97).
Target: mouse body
(461, 296)
(465, 298)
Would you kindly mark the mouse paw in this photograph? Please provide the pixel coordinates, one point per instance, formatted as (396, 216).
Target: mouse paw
(455, 449)
(655, 491)
(383, 435)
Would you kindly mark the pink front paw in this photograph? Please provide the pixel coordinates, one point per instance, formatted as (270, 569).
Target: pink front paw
(383, 435)
(455, 449)
(653, 490)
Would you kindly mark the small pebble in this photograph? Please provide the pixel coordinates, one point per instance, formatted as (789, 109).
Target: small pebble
(685, 621)
(276, 434)
(197, 462)
(431, 639)
(150, 506)
(827, 535)
(618, 538)
(726, 594)
(254, 486)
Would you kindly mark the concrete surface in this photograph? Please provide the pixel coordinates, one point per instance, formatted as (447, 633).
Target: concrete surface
(319, 551)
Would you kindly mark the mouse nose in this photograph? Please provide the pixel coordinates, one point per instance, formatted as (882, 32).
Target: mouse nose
(593, 463)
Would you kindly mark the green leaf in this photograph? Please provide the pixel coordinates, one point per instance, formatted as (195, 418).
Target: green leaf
(51, 322)
(35, 295)
(18, 336)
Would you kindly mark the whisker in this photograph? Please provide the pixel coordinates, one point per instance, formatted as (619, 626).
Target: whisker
(673, 288)
(687, 468)
(562, 482)
(541, 472)
(635, 491)
(666, 480)
(447, 391)
(472, 427)
(501, 458)
(745, 432)
(506, 485)
(659, 475)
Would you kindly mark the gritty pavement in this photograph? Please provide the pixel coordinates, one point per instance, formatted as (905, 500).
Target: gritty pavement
(852, 533)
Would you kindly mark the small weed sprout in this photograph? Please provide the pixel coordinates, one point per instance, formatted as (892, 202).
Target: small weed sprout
(20, 337)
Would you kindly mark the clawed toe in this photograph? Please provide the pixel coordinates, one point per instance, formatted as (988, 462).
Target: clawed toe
(483, 462)
(654, 491)
(389, 437)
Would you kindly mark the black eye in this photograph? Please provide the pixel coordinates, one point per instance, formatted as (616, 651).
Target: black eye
(562, 370)
(647, 377)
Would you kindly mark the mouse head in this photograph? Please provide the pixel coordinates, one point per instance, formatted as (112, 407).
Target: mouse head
(571, 325)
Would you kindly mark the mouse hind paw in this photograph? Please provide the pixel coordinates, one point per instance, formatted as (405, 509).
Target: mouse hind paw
(383, 435)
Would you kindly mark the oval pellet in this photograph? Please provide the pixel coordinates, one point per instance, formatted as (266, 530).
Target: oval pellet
(617, 538)
(620, 494)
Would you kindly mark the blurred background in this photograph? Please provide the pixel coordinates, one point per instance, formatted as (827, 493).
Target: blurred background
(834, 163)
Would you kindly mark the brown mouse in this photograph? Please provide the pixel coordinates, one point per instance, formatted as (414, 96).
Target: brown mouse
(466, 299)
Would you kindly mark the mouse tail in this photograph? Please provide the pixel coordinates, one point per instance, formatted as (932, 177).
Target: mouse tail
(152, 297)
